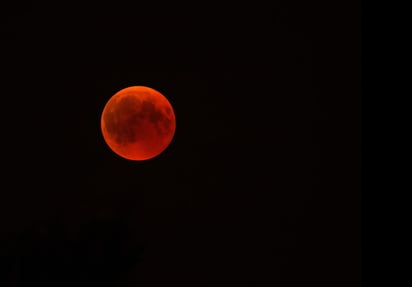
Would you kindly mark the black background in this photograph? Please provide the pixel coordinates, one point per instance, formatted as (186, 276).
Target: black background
(260, 185)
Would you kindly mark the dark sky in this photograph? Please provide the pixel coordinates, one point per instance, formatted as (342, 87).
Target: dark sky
(260, 185)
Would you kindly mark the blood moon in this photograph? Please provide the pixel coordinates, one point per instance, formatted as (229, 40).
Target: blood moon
(138, 123)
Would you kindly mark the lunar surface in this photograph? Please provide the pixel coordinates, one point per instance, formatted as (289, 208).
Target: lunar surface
(138, 123)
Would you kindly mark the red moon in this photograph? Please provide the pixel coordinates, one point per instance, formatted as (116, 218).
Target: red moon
(138, 123)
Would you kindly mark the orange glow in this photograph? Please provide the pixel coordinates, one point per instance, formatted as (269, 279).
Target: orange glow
(138, 123)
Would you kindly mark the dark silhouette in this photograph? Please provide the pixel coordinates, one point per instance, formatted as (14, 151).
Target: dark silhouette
(98, 254)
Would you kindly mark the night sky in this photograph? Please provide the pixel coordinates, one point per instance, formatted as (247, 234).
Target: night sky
(260, 185)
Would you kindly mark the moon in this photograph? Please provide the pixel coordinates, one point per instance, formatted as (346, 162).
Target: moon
(138, 123)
